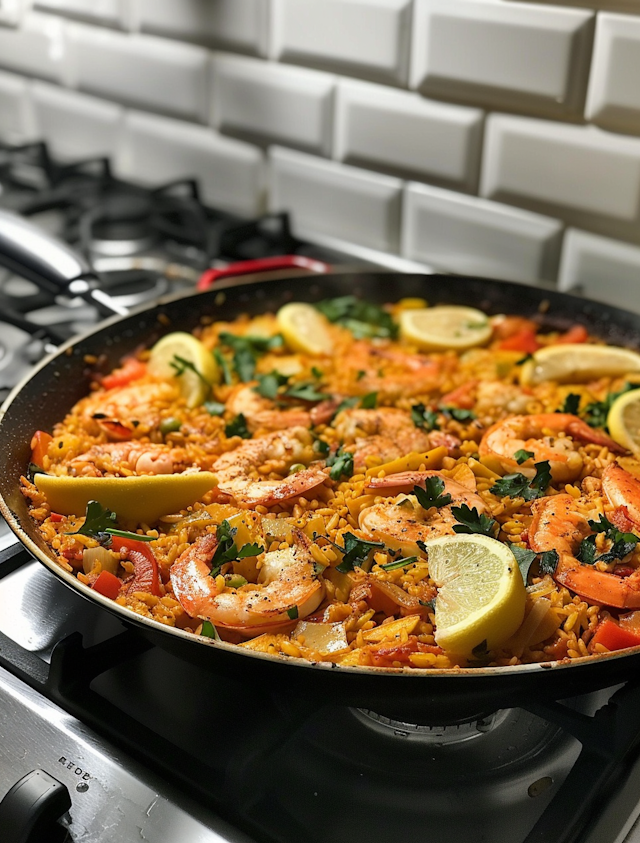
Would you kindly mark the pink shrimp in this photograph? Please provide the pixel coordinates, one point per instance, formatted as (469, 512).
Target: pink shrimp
(118, 458)
(262, 413)
(549, 436)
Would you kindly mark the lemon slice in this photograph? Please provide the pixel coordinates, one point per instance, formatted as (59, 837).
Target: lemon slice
(141, 499)
(578, 363)
(623, 420)
(195, 362)
(481, 594)
(446, 326)
(304, 328)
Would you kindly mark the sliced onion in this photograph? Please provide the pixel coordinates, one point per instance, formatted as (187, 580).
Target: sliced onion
(527, 634)
(108, 561)
(323, 637)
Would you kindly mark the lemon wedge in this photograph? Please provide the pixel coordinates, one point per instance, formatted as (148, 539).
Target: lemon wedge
(197, 367)
(304, 328)
(623, 420)
(445, 326)
(481, 594)
(578, 363)
(142, 499)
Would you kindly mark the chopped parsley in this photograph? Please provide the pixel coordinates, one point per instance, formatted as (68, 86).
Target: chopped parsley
(223, 365)
(214, 408)
(399, 563)
(525, 559)
(321, 447)
(181, 364)
(355, 552)
(293, 613)
(471, 521)
(596, 413)
(424, 418)
(549, 562)
(432, 495)
(522, 456)
(238, 427)
(99, 523)
(621, 543)
(305, 391)
(571, 404)
(33, 470)
(341, 464)
(246, 350)
(269, 384)
(369, 401)
(362, 318)
(457, 413)
(519, 486)
(227, 551)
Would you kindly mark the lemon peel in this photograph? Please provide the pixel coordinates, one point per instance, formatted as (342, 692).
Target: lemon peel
(623, 420)
(445, 326)
(142, 499)
(304, 328)
(578, 363)
(197, 376)
(481, 593)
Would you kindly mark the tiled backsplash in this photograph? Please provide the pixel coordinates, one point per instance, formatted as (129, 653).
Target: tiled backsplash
(494, 137)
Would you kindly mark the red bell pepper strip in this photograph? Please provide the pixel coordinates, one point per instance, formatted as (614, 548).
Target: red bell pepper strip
(39, 446)
(578, 333)
(131, 370)
(56, 517)
(108, 584)
(524, 341)
(146, 576)
(613, 637)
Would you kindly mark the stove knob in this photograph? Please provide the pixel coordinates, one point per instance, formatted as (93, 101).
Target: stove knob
(30, 811)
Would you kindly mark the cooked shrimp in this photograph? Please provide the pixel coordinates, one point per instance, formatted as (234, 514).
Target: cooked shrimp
(623, 491)
(281, 448)
(262, 413)
(402, 523)
(559, 525)
(507, 397)
(386, 432)
(127, 412)
(287, 585)
(391, 371)
(549, 436)
(133, 457)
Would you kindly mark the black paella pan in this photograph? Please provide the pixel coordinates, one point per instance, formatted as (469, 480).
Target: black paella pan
(54, 386)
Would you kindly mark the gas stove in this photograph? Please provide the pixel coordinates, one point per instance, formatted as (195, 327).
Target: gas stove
(104, 737)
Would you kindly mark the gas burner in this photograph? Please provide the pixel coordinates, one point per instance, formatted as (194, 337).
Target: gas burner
(121, 224)
(433, 735)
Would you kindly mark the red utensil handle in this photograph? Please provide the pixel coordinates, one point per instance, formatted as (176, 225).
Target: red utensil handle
(210, 276)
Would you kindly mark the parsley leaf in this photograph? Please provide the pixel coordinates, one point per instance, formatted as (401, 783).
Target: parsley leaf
(596, 413)
(214, 408)
(525, 559)
(356, 552)
(181, 364)
(341, 464)
(432, 495)
(223, 365)
(33, 470)
(524, 359)
(269, 384)
(227, 551)
(470, 521)
(369, 401)
(519, 486)
(293, 613)
(305, 391)
(362, 318)
(522, 456)
(621, 543)
(549, 562)
(457, 413)
(399, 563)
(571, 404)
(99, 523)
(246, 350)
(238, 427)
(321, 447)
(424, 418)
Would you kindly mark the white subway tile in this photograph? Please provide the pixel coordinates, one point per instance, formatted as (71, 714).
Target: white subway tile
(75, 125)
(601, 268)
(581, 172)
(37, 48)
(505, 55)
(107, 12)
(154, 73)
(156, 150)
(334, 199)
(16, 123)
(11, 12)
(231, 24)
(609, 5)
(267, 102)
(368, 38)
(474, 236)
(613, 100)
(403, 132)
